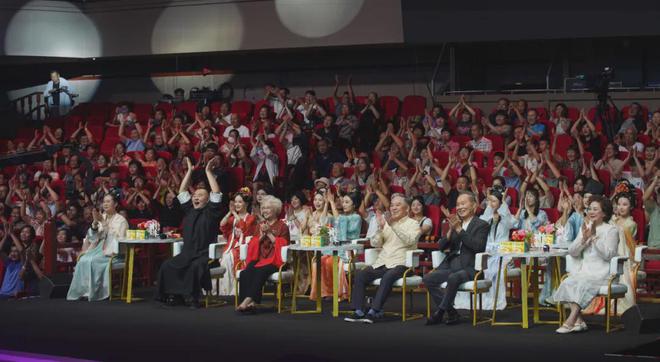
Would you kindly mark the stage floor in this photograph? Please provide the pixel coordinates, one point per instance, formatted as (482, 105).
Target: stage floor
(144, 331)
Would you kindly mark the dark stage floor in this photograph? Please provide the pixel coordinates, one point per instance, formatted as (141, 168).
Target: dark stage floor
(114, 331)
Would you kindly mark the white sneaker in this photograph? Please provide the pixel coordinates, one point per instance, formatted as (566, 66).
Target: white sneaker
(564, 329)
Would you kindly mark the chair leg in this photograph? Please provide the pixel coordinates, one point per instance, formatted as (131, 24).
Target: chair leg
(481, 305)
(350, 282)
(403, 301)
(236, 292)
(279, 296)
(428, 304)
(110, 281)
(474, 309)
(616, 302)
(607, 315)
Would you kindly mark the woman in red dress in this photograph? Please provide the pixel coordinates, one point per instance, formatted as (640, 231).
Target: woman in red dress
(264, 254)
(237, 227)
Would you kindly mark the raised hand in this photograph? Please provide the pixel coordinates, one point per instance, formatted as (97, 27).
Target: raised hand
(455, 222)
(380, 219)
(188, 163)
(264, 228)
(211, 164)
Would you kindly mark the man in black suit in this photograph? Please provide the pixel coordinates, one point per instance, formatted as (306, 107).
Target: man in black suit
(467, 237)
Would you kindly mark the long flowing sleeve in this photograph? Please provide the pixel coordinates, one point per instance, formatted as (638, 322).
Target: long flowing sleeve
(576, 247)
(506, 219)
(607, 245)
(487, 215)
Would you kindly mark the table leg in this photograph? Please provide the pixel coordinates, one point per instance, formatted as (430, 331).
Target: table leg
(335, 284)
(524, 291)
(123, 280)
(129, 281)
(535, 289)
(296, 270)
(497, 290)
(317, 256)
(555, 285)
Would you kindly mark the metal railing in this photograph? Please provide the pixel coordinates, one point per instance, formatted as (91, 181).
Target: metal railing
(31, 106)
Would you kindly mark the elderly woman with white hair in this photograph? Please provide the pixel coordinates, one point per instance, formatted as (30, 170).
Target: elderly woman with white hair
(264, 254)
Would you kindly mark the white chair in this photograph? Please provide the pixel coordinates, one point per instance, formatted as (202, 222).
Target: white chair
(612, 291)
(407, 283)
(352, 266)
(510, 276)
(475, 287)
(279, 279)
(215, 254)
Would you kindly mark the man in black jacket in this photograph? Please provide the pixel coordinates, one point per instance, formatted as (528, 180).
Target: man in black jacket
(467, 237)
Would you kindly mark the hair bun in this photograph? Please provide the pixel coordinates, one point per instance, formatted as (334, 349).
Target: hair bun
(115, 193)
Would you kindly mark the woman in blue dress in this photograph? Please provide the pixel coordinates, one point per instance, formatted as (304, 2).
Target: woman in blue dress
(348, 225)
(91, 277)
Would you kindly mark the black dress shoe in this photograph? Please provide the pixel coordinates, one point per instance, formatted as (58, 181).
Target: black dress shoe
(436, 317)
(172, 301)
(452, 317)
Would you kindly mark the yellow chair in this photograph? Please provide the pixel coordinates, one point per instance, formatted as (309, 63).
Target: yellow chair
(215, 253)
(406, 284)
(279, 279)
(612, 291)
(116, 265)
(475, 287)
(638, 275)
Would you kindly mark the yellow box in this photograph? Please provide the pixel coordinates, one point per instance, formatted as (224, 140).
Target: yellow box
(130, 234)
(513, 247)
(306, 241)
(549, 239)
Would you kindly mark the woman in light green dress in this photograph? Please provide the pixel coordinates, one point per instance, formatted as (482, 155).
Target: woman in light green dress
(91, 278)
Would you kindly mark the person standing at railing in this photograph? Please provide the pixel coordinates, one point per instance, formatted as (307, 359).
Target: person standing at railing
(58, 94)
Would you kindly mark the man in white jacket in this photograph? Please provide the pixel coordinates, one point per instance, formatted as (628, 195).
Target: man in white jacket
(58, 94)
(396, 235)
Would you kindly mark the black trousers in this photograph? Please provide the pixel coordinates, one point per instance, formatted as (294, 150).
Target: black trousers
(252, 280)
(450, 272)
(365, 276)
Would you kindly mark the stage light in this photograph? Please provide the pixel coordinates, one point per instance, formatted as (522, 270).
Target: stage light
(52, 29)
(317, 18)
(198, 28)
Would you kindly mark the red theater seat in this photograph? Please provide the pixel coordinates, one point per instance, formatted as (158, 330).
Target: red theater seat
(242, 108)
(390, 106)
(413, 106)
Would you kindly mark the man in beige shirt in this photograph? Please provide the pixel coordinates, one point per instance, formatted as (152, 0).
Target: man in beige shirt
(395, 236)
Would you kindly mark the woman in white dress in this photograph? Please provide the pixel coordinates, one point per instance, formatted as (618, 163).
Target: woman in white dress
(501, 222)
(296, 218)
(91, 277)
(596, 244)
